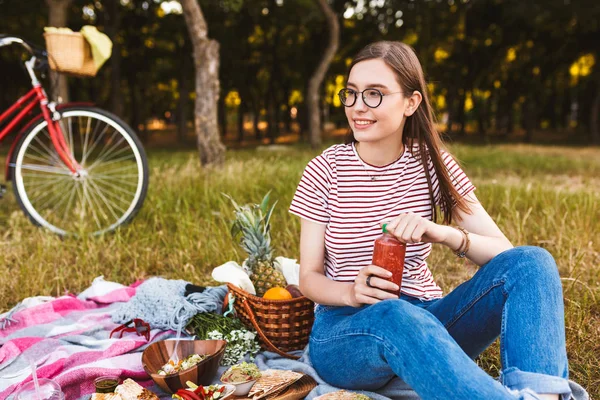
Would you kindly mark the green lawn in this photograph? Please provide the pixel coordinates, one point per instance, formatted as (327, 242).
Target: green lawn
(546, 196)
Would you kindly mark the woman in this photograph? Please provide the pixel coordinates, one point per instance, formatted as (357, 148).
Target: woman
(394, 170)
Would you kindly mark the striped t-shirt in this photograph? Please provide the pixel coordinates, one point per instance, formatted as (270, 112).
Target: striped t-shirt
(337, 189)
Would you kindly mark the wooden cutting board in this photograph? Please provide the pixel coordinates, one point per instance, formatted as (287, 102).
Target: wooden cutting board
(297, 390)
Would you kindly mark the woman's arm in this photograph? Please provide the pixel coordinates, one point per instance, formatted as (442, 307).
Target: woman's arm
(487, 240)
(322, 290)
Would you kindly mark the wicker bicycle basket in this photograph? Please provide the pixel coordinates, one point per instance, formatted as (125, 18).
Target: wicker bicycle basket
(70, 53)
(282, 325)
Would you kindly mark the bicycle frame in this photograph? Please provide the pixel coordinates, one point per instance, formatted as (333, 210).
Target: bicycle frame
(37, 96)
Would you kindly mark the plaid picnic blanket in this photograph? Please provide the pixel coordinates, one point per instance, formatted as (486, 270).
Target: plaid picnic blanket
(68, 338)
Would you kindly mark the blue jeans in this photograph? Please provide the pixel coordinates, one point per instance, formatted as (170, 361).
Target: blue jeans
(431, 344)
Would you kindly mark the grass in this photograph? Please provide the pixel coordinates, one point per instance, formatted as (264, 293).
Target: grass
(546, 196)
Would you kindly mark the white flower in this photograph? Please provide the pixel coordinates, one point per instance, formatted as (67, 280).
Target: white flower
(239, 344)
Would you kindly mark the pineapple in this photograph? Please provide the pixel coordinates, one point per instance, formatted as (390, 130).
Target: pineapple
(252, 224)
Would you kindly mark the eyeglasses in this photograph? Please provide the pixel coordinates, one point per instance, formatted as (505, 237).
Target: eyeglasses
(371, 97)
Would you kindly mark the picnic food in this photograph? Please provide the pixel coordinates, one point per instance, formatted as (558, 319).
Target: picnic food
(272, 382)
(277, 293)
(252, 221)
(106, 384)
(342, 395)
(195, 392)
(130, 390)
(388, 253)
(106, 396)
(243, 372)
(188, 362)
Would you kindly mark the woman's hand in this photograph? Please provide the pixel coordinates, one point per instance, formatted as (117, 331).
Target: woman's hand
(361, 293)
(412, 228)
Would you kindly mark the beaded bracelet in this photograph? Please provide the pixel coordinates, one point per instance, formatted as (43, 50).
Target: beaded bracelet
(465, 244)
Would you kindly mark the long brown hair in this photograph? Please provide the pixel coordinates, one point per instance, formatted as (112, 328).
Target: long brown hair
(419, 128)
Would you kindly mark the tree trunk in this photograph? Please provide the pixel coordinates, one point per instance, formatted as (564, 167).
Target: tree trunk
(314, 84)
(206, 61)
(113, 25)
(57, 17)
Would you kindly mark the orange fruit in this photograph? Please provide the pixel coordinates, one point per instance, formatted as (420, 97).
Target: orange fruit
(277, 293)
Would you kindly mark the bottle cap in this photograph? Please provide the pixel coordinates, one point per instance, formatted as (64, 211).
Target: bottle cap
(383, 229)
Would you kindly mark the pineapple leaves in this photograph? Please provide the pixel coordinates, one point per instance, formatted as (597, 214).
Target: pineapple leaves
(252, 218)
(265, 202)
(267, 218)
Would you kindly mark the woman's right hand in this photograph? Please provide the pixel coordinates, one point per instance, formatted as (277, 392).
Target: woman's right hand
(361, 293)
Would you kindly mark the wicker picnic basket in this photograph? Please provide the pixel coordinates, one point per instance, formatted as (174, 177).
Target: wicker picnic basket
(282, 325)
(70, 53)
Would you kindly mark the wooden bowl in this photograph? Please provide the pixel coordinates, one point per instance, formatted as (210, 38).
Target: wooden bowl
(157, 354)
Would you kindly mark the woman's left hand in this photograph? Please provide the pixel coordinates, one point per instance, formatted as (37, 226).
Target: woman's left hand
(412, 228)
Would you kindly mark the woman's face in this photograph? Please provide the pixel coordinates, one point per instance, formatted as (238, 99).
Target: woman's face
(386, 120)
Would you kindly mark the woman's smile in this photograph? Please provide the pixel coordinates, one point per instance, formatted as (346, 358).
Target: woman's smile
(361, 123)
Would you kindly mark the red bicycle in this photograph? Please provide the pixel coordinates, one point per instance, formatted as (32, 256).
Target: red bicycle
(75, 169)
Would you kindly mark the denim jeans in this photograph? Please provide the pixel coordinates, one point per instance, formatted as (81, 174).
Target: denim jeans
(431, 344)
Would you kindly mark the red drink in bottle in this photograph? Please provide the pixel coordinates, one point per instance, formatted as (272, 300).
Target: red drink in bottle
(389, 253)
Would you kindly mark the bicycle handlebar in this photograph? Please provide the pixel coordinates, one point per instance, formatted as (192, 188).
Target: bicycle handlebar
(8, 40)
(40, 54)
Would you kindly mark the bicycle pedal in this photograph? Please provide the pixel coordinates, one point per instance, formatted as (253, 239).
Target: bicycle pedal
(2, 190)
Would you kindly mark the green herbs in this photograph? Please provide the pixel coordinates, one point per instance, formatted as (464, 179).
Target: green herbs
(240, 341)
(202, 323)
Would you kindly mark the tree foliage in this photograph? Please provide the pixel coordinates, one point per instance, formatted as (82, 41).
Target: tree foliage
(496, 67)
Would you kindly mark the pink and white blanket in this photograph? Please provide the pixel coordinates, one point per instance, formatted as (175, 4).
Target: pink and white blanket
(68, 338)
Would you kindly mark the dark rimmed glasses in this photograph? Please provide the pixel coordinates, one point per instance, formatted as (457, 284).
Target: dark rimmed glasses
(371, 97)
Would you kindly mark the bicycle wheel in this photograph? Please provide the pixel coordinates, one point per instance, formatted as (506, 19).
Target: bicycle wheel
(107, 192)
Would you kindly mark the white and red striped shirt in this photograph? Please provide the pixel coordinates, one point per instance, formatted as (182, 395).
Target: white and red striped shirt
(337, 189)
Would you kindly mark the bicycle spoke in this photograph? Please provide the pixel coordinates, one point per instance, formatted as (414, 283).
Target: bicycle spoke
(102, 155)
(95, 202)
(52, 170)
(42, 183)
(93, 198)
(117, 179)
(112, 161)
(95, 143)
(56, 206)
(50, 198)
(84, 140)
(106, 201)
(86, 197)
(103, 182)
(50, 158)
(51, 153)
(39, 159)
(73, 193)
(107, 144)
(107, 191)
(116, 171)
